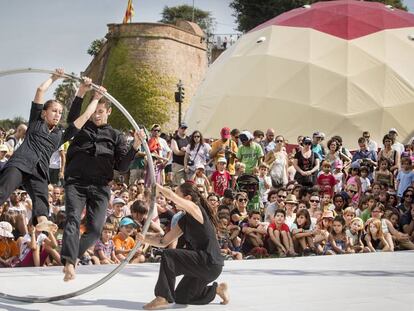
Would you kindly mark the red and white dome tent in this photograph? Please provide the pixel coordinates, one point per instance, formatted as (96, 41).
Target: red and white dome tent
(339, 67)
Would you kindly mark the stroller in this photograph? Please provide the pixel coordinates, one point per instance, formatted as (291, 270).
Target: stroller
(250, 184)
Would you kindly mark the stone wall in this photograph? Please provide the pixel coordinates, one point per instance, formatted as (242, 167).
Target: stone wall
(178, 52)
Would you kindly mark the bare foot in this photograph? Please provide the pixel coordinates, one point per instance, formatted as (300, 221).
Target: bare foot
(69, 271)
(156, 303)
(222, 291)
(46, 226)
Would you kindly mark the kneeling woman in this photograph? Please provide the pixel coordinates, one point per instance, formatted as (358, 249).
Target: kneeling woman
(200, 263)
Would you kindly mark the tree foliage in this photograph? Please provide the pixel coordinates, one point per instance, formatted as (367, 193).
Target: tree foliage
(145, 93)
(65, 93)
(96, 46)
(204, 19)
(8, 124)
(250, 14)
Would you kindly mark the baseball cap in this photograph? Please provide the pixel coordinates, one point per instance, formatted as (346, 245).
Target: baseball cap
(393, 129)
(245, 135)
(126, 221)
(307, 139)
(118, 201)
(183, 125)
(317, 134)
(6, 229)
(4, 148)
(225, 133)
(221, 160)
(200, 166)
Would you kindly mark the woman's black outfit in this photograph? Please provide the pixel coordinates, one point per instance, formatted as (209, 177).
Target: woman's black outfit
(200, 263)
(29, 164)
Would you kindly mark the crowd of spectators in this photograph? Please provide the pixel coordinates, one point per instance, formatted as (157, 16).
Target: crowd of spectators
(272, 199)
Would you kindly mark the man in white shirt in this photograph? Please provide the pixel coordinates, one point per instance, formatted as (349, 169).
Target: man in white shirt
(372, 145)
(397, 145)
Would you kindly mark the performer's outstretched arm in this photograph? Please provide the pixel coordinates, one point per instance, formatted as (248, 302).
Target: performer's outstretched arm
(75, 108)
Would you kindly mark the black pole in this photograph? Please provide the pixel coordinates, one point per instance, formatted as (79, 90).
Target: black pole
(179, 114)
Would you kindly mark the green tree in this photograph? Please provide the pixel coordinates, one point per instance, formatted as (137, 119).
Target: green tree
(8, 124)
(65, 93)
(250, 14)
(96, 46)
(145, 93)
(204, 19)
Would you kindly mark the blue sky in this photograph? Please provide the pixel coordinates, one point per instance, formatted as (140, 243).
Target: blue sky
(57, 33)
(48, 34)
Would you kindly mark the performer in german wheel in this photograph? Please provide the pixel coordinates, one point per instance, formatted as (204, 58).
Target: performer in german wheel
(201, 262)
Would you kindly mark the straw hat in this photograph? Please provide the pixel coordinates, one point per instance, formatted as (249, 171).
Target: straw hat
(291, 198)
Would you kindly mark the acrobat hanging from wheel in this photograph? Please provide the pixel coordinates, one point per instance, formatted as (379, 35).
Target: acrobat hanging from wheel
(29, 164)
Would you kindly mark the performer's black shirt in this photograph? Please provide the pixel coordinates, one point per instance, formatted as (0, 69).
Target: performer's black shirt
(201, 237)
(33, 156)
(96, 151)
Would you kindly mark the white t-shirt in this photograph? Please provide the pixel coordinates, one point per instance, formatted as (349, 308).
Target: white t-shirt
(55, 159)
(200, 157)
(24, 246)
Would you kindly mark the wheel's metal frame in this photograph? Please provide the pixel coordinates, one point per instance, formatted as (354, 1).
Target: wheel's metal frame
(38, 299)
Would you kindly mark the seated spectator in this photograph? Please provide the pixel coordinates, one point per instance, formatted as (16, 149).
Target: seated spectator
(253, 236)
(405, 177)
(355, 233)
(303, 232)
(124, 243)
(105, 248)
(338, 241)
(374, 239)
(281, 195)
(200, 178)
(9, 249)
(280, 239)
(227, 236)
(36, 246)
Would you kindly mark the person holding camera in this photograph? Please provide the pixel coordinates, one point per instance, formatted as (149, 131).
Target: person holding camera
(224, 148)
(196, 153)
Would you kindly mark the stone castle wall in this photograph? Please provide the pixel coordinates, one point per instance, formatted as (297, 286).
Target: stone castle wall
(178, 52)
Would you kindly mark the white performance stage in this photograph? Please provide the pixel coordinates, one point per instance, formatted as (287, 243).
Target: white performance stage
(382, 281)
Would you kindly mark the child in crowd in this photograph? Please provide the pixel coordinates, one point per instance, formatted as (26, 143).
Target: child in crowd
(326, 203)
(349, 214)
(220, 179)
(124, 243)
(405, 177)
(383, 174)
(323, 227)
(200, 177)
(240, 169)
(105, 248)
(265, 182)
(365, 182)
(355, 180)
(303, 232)
(253, 235)
(224, 236)
(374, 238)
(117, 213)
(371, 202)
(9, 249)
(339, 175)
(354, 234)
(279, 235)
(338, 242)
(35, 247)
(326, 181)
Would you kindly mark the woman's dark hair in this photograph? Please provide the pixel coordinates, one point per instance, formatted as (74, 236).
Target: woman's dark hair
(342, 221)
(303, 212)
(139, 207)
(189, 188)
(192, 141)
(388, 137)
(333, 141)
(49, 103)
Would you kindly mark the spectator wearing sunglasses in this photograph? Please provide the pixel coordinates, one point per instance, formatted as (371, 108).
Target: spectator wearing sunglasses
(306, 164)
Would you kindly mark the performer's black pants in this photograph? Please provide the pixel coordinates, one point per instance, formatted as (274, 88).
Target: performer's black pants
(78, 196)
(36, 186)
(197, 273)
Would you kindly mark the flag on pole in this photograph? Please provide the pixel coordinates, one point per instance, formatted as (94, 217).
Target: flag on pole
(129, 12)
